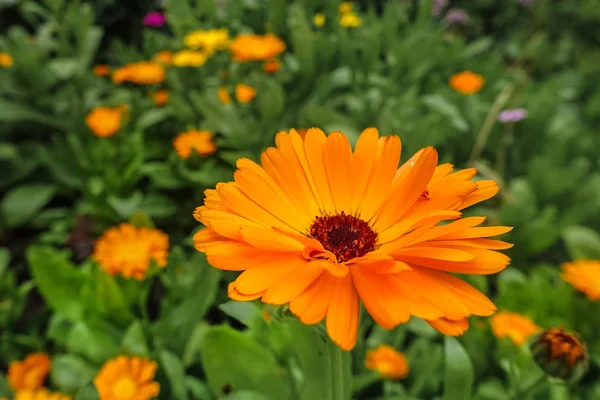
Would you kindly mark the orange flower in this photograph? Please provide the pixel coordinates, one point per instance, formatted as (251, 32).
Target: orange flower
(244, 93)
(224, 96)
(321, 227)
(560, 354)
(104, 121)
(467, 82)
(124, 378)
(160, 97)
(387, 361)
(101, 70)
(127, 250)
(141, 73)
(40, 394)
(514, 326)
(164, 57)
(199, 142)
(584, 275)
(29, 373)
(272, 66)
(6, 60)
(256, 47)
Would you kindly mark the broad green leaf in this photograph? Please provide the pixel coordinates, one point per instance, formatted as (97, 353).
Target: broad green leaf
(8, 151)
(5, 389)
(151, 117)
(23, 202)
(158, 206)
(301, 39)
(458, 371)
(4, 260)
(11, 111)
(125, 206)
(198, 389)
(582, 242)
(87, 392)
(440, 105)
(242, 311)
(233, 360)
(69, 373)
(96, 342)
(110, 300)
(175, 370)
(88, 46)
(134, 341)
(246, 395)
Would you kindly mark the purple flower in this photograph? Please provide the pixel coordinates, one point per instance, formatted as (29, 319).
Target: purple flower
(514, 115)
(457, 16)
(155, 19)
(438, 7)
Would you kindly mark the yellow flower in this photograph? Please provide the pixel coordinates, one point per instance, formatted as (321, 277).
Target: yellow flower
(40, 394)
(345, 7)
(6, 60)
(584, 275)
(101, 70)
(244, 93)
(350, 20)
(256, 48)
(319, 19)
(104, 121)
(29, 373)
(141, 73)
(467, 82)
(387, 361)
(193, 140)
(164, 57)
(209, 41)
(127, 250)
(127, 378)
(224, 96)
(514, 326)
(160, 97)
(189, 58)
(272, 66)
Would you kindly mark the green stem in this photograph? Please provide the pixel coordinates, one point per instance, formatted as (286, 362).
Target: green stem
(535, 386)
(337, 372)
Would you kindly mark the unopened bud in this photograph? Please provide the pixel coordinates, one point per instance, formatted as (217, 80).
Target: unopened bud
(560, 354)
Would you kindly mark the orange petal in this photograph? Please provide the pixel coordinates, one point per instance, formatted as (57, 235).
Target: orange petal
(260, 278)
(363, 160)
(293, 284)
(342, 313)
(238, 256)
(477, 233)
(334, 268)
(206, 237)
(311, 306)
(479, 243)
(434, 253)
(485, 262)
(269, 239)
(233, 294)
(314, 147)
(484, 191)
(450, 327)
(338, 159)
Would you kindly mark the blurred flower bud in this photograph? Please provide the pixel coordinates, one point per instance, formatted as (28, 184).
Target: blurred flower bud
(560, 354)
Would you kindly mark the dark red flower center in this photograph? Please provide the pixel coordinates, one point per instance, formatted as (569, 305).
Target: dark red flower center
(344, 235)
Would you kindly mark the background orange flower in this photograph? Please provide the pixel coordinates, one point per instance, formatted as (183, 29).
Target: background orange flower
(29, 373)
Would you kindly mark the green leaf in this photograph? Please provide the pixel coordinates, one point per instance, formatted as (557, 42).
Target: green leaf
(23, 202)
(246, 395)
(87, 392)
(242, 311)
(4, 260)
(57, 279)
(151, 117)
(234, 360)
(97, 342)
(125, 206)
(158, 206)
(134, 341)
(88, 46)
(440, 105)
(69, 373)
(62, 68)
(198, 389)
(11, 111)
(175, 370)
(582, 242)
(458, 371)
(8, 151)
(302, 39)
(109, 298)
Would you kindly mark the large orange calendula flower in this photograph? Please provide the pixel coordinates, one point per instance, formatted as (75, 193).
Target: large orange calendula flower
(467, 82)
(256, 47)
(40, 394)
(141, 73)
(29, 373)
(127, 378)
(584, 275)
(127, 250)
(515, 326)
(320, 227)
(389, 362)
(199, 142)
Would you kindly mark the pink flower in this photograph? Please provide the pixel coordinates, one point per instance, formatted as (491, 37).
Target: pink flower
(155, 19)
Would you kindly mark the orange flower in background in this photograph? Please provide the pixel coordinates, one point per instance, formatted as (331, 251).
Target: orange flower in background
(164, 57)
(515, 326)
(141, 73)
(160, 97)
(244, 93)
(467, 82)
(127, 250)
(388, 362)
(560, 354)
(29, 373)
(584, 275)
(101, 70)
(40, 394)
(104, 121)
(321, 228)
(224, 96)
(124, 378)
(272, 66)
(256, 47)
(199, 142)
(6, 60)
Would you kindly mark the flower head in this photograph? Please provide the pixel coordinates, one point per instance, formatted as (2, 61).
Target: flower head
(224, 96)
(438, 6)
(256, 48)
(209, 41)
(272, 66)
(29, 373)
(155, 19)
(514, 115)
(199, 142)
(6, 60)
(457, 16)
(40, 394)
(105, 121)
(319, 19)
(141, 73)
(320, 227)
(346, 7)
(160, 97)
(467, 82)
(244, 93)
(350, 20)
(560, 354)
(127, 378)
(101, 70)
(164, 57)
(127, 250)
(388, 362)
(189, 58)
(584, 275)
(514, 326)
